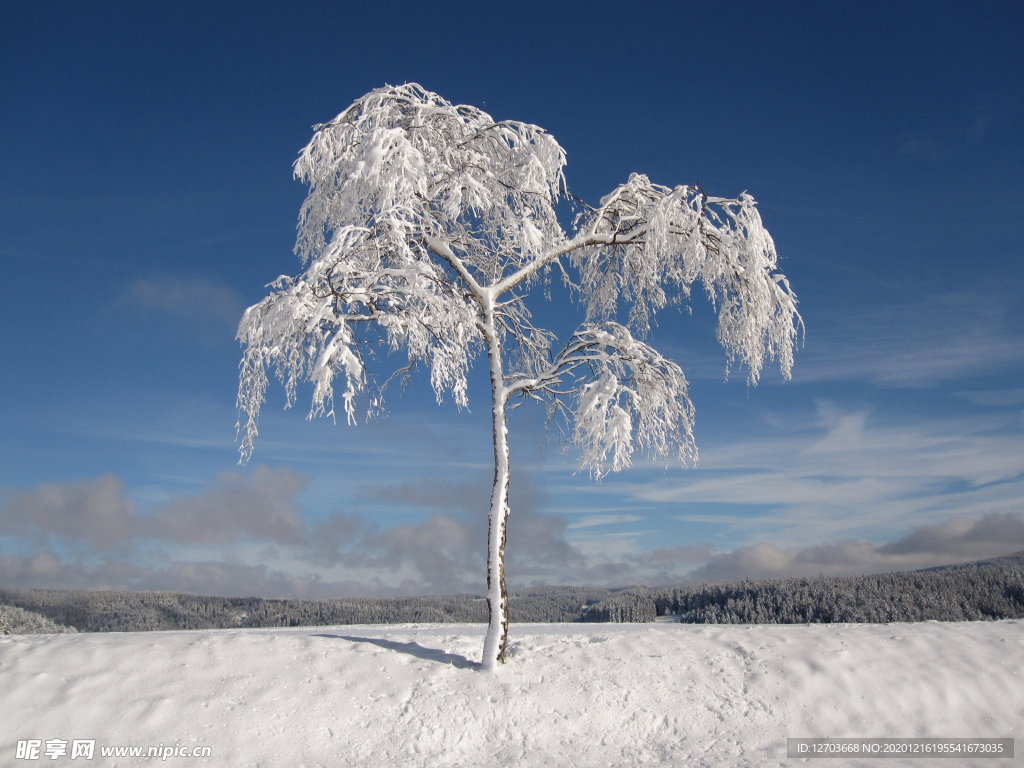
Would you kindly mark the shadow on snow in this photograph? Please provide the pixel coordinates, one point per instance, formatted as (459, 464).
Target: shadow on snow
(413, 649)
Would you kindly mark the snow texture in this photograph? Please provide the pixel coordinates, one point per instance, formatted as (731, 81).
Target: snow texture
(661, 694)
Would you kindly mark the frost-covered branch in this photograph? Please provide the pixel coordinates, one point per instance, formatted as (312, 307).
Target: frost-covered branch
(415, 208)
(419, 167)
(675, 237)
(624, 396)
(305, 329)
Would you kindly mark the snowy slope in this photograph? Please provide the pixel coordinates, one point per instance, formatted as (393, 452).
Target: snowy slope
(572, 695)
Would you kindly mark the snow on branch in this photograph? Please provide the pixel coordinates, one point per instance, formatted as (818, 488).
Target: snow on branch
(662, 240)
(427, 224)
(399, 179)
(624, 396)
(410, 165)
(317, 325)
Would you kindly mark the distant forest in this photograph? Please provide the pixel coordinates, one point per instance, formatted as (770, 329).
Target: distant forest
(145, 611)
(982, 591)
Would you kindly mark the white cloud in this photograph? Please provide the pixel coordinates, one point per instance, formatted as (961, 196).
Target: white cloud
(996, 397)
(97, 513)
(92, 511)
(47, 570)
(261, 506)
(228, 533)
(194, 300)
(592, 520)
(849, 474)
(915, 343)
(816, 497)
(956, 540)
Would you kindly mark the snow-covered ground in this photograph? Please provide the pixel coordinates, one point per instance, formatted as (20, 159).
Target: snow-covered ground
(571, 695)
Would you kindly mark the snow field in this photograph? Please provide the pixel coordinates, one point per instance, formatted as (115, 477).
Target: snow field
(572, 695)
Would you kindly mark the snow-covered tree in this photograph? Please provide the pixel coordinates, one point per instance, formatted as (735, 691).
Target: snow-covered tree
(425, 228)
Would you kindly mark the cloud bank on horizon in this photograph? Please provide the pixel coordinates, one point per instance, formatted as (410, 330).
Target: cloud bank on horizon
(90, 535)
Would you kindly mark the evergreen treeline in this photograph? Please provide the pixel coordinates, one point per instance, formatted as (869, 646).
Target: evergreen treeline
(18, 621)
(632, 606)
(981, 591)
(144, 611)
(986, 590)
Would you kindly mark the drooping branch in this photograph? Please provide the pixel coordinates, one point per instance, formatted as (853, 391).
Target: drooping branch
(581, 242)
(305, 329)
(625, 396)
(676, 237)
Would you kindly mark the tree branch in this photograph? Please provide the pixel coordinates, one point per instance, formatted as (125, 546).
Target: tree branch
(582, 241)
(445, 252)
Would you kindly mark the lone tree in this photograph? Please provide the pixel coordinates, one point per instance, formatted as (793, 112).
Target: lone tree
(426, 226)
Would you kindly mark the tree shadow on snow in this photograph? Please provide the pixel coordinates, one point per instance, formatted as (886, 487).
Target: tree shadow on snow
(413, 649)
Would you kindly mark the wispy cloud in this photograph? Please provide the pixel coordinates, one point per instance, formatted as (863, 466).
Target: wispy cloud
(915, 343)
(47, 570)
(196, 301)
(996, 398)
(848, 473)
(958, 137)
(846, 492)
(592, 520)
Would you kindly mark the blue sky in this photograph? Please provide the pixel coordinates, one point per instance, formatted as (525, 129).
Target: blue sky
(146, 199)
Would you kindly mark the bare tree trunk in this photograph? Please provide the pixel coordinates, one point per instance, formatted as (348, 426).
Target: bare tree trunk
(497, 594)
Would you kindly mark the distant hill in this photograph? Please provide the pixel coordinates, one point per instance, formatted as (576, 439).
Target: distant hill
(103, 611)
(978, 591)
(1014, 560)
